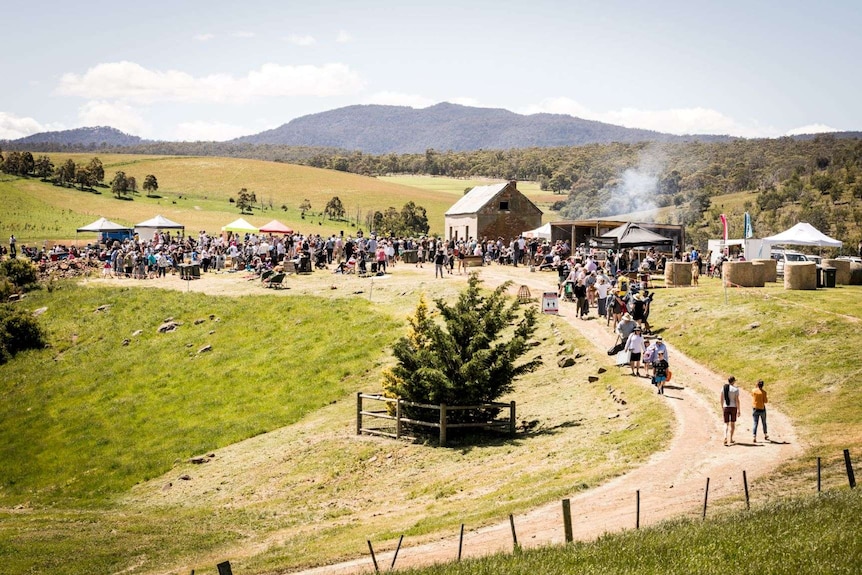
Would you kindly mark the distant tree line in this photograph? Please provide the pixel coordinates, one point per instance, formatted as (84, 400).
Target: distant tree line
(85, 176)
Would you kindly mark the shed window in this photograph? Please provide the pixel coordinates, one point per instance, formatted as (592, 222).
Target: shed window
(504, 205)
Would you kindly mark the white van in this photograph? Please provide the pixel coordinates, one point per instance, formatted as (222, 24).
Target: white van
(783, 256)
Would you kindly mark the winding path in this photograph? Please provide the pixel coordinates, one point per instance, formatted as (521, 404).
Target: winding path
(671, 483)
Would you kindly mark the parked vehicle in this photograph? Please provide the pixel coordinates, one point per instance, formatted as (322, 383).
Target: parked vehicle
(784, 256)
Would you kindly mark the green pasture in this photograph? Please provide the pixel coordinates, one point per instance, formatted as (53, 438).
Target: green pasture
(196, 192)
(102, 424)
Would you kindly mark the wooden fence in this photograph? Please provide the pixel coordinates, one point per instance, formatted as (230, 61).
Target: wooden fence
(442, 423)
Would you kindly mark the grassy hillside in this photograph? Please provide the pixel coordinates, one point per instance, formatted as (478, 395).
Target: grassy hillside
(102, 430)
(812, 536)
(196, 192)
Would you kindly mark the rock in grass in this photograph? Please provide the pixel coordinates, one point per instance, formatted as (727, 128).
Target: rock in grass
(593, 378)
(40, 311)
(205, 349)
(566, 362)
(168, 326)
(199, 321)
(137, 332)
(186, 477)
(105, 307)
(602, 370)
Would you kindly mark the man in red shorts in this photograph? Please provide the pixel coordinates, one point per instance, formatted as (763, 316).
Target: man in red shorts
(730, 408)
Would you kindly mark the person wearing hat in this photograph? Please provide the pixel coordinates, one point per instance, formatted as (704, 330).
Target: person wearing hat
(635, 346)
(758, 399)
(626, 326)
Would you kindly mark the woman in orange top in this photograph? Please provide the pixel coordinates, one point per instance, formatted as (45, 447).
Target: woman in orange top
(758, 399)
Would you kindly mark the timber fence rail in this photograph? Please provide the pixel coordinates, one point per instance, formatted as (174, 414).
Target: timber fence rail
(397, 421)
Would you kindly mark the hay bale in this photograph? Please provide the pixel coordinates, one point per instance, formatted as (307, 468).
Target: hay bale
(738, 274)
(800, 275)
(677, 274)
(855, 274)
(770, 269)
(759, 274)
(842, 270)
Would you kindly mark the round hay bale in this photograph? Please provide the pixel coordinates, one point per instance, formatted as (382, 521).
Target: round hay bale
(759, 274)
(800, 275)
(677, 274)
(855, 274)
(738, 274)
(842, 270)
(770, 269)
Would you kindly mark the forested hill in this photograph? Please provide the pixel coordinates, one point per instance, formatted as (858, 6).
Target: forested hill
(94, 136)
(378, 129)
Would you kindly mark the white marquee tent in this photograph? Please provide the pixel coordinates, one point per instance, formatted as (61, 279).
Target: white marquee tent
(804, 234)
(146, 230)
(542, 232)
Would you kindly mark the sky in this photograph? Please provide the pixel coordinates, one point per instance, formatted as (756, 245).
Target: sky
(215, 70)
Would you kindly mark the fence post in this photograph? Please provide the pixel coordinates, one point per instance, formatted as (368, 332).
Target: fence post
(394, 557)
(512, 419)
(818, 475)
(442, 424)
(567, 520)
(359, 413)
(638, 509)
(849, 464)
(398, 418)
(461, 542)
(745, 483)
(514, 535)
(705, 497)
(224, 568)
(373, 557)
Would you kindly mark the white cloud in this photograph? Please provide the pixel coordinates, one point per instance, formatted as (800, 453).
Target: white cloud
(679, 121)
(13, 127)
(243, 34)
(398, 99)
(811, 129)
(208, 131)
(128, 81)
(114, 114)
(203, 37)
(304, 40)
(343, 37)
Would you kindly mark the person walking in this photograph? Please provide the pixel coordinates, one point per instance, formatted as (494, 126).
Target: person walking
(439, 260)
(758, 399)
(659, 371)
(730, 408)
(635, 346)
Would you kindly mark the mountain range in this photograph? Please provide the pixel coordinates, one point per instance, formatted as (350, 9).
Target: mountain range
(377, 129)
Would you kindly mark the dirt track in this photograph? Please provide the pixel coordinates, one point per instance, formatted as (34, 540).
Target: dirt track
(671, 483)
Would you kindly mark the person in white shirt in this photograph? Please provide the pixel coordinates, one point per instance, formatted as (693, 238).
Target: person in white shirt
(635, 345)
(730, 408)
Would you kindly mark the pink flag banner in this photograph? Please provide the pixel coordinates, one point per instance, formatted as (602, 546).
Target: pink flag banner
(724, 226)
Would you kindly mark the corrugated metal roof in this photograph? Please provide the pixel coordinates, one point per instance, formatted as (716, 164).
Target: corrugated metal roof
(475, 199)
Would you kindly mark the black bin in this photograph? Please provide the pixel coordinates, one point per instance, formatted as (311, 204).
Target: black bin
(410, 257)
(829, 275)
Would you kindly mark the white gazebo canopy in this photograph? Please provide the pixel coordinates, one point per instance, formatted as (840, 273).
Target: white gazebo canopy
(146, 230)
(804, 234)
(542, 232)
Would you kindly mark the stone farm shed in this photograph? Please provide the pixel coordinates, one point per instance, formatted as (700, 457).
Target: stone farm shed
(498, 210)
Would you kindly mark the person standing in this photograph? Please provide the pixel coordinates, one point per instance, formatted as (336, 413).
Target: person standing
(758, 399)
(659, 371)
(580, 292)
(730, 408)
(13, 247)
(635, 346)
(439, 260)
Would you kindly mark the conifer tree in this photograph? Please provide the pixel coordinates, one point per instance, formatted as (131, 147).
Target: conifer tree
(468, 359)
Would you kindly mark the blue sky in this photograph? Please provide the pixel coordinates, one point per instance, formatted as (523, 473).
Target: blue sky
(214, 70)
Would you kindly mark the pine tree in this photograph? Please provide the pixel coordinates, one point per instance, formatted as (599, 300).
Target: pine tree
(469, 359)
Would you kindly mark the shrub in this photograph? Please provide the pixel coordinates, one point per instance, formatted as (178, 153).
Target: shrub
(22, 273)
(19, 331)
